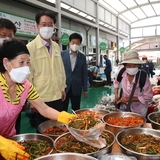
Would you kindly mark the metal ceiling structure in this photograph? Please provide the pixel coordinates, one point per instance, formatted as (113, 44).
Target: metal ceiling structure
(139, 14)
(133, 11)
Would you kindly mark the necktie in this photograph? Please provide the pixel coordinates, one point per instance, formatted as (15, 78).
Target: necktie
(48, 46)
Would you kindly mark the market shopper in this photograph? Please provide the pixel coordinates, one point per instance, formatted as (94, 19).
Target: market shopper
(15, 89)
(141, 96)
(107, 70)
(47, 69)
(93, 74)
(76, 72)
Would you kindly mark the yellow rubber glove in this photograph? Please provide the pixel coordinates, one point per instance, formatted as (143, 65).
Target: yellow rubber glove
(11, 150)
(64, 117)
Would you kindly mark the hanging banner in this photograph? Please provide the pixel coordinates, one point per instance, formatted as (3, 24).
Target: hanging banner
(24, 26)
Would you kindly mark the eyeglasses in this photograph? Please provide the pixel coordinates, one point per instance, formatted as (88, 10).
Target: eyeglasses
(46, 24)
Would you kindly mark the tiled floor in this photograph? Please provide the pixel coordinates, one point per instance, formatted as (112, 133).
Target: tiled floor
(94, 95)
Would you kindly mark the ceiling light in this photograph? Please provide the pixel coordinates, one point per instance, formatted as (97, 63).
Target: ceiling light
(89, 17)
(82, 14)
(110, 27)
(51, 1)
(65, 6)
(106, 25)
(101, 23)
(74, 10)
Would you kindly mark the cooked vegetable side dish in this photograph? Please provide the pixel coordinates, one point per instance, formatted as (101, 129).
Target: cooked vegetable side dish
(36, 148)
(145, 144)
(83, 122)
(125, 121)
(91, 113)
(68, 143)
(157, 119)
(56, 130)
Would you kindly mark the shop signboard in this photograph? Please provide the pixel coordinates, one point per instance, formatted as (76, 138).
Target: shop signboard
(122, 50)
(25, 26)
(65, 39)
(102, 46)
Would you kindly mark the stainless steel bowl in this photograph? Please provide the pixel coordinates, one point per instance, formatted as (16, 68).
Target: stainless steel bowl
(151, 118)
(66, 156)
(33, 136)
(115, 129)
(94, 154)
(48, 124)
(138, 131)
(100, 112)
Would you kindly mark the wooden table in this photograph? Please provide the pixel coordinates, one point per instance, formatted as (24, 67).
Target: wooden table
(117, 149)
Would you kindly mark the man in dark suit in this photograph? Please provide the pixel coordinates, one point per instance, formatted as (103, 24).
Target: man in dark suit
(76, 72)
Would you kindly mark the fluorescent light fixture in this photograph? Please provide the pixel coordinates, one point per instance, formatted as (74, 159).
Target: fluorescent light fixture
(114, 29)
(82, 14)
(101, 23)
(106, 25)
(110, 27)
(51, 1)
(74, 10)
(65, 6)
(89, 17)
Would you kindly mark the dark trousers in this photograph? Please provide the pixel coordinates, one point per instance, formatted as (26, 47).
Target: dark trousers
(90, 75)
(18, 124)
(75, 101)
(54, 104)
(108, 76)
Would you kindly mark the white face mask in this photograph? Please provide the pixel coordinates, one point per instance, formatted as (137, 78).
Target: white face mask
(132, 71)
(46, 32)
(74, 47)
(19, 75)
(2, 39)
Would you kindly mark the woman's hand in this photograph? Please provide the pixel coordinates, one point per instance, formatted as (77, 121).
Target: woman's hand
(124, 100)
(11, 150)
(116, 97)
